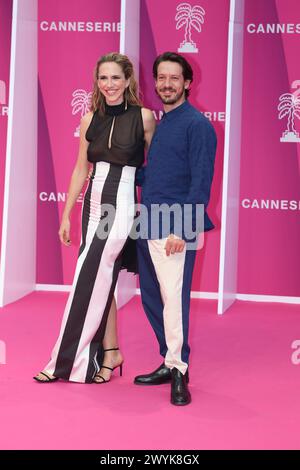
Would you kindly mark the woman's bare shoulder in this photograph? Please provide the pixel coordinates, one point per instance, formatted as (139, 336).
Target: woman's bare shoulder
(147, 114)
(86, 119)
(148, 119)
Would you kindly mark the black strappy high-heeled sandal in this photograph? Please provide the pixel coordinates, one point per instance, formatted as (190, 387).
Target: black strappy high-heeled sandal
(103, 380)
(49, 379)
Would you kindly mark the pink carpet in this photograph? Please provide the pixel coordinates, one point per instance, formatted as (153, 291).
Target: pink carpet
(245, 389)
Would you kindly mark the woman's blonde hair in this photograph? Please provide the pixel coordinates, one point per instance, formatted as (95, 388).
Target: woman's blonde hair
(131, 92)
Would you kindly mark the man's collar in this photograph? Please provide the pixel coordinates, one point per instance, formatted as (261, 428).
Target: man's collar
(174, 113)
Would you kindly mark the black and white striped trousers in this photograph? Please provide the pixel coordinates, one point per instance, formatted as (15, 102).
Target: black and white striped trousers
(74, 356)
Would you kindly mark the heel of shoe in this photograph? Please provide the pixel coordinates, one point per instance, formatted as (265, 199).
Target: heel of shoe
(121, 369)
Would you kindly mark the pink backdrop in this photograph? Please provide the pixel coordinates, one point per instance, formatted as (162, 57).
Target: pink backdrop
(5, 37)
(269, 248)
(72, 35)
(66, 62)
(159, 34)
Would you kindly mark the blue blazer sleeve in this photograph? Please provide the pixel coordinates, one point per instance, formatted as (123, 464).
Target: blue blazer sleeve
(201, 155)
(202, 152)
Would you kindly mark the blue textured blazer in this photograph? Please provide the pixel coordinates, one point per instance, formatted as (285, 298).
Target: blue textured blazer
(180, 162)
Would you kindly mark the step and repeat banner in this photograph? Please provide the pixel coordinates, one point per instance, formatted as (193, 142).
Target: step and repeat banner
(72, 36)
(199, 31)
(5, 37)
(269, 247)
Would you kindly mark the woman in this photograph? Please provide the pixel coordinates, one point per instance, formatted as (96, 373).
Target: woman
(112, 138)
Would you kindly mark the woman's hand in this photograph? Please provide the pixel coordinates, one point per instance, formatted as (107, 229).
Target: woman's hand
(64, 231)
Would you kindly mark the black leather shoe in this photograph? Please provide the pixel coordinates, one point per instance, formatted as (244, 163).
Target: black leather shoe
(180, 394)
(161, 375)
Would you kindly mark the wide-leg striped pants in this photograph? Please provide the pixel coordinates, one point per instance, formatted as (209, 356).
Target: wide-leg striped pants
(74, 356)
(165, 283)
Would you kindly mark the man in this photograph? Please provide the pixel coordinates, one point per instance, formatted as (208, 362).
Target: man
(179, 171)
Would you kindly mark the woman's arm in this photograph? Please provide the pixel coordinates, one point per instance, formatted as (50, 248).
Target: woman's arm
(149, 125)
(149, 129)
(78, 178)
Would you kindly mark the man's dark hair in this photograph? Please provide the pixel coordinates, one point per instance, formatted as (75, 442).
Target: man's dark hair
(187, 70)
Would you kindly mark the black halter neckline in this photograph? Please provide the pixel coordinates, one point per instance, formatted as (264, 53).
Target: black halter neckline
(115, 110)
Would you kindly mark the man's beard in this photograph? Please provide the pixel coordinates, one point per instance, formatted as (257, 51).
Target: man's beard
(170, 100)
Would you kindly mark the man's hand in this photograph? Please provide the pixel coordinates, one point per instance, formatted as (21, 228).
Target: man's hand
(174, 245)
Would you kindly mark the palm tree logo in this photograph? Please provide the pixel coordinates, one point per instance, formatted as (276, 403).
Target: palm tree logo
(289, 105)
(81, 103)
(190, 17)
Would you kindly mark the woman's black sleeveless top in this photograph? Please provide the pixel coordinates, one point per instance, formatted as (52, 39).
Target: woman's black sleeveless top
(117, 136)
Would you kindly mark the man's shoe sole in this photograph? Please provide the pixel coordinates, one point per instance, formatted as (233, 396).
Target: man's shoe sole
(180, 404)
(152, 384)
